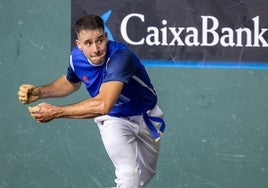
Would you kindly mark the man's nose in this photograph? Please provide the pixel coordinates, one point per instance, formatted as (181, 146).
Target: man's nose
(96, 47)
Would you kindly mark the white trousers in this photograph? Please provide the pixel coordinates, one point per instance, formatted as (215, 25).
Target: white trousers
(131, 147)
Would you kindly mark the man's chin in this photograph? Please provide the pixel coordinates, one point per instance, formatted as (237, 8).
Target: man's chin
(97, 61)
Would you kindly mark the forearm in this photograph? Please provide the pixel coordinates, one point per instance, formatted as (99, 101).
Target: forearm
(89, 108)
(59, 88)
(45, 112)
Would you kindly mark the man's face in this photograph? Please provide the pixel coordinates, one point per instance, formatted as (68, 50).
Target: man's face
(94, 45)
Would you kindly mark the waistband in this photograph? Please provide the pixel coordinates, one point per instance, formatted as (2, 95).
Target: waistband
(150, 118)
(156, 133)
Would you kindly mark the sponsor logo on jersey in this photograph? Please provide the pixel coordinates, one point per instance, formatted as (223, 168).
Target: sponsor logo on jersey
(85, 78)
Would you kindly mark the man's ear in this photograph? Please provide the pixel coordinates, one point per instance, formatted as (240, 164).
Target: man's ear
(78, 43)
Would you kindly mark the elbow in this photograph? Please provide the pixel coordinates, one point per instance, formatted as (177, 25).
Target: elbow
(105, 108)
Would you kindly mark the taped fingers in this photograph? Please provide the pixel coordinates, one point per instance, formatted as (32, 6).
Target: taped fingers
(23, 96)
(28, 93)
(34, 112)
(23, 93)
(34, 109)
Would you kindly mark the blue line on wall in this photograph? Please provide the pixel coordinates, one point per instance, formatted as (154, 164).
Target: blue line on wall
(205, 64)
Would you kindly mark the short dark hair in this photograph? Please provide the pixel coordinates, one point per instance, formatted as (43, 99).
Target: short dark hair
(89, 22)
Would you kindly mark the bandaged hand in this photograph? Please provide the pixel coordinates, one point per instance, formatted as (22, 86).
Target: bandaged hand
(28, 93)
(43, 112)
(34, 109)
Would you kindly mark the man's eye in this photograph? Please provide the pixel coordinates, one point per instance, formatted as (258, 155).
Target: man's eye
(100, 40)
(87, 43)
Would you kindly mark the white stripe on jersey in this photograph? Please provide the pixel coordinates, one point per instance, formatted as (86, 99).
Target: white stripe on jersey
(71, 62)
(143, 84)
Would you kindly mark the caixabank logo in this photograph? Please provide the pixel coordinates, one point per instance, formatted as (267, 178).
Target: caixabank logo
(192, 36)
(168, 36)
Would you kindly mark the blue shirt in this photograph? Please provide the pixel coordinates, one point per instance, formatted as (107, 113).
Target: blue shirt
(137, 95)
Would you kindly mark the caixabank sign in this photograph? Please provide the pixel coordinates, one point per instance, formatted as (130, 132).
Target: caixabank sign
(186, 33)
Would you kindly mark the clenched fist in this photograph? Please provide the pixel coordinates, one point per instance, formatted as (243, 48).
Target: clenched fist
(43, 112)
(28, 93)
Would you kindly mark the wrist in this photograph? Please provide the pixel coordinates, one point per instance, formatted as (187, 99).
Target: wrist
(58, 111)
(37, 92)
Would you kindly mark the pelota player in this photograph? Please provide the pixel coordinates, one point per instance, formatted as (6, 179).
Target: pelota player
(123, 101)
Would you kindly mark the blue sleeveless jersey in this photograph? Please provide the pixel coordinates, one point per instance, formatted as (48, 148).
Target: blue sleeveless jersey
(137, 95)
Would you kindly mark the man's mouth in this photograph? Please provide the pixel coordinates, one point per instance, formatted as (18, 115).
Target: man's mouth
(98, 55)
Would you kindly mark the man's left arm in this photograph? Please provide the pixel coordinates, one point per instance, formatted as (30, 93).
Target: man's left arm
(89, 108)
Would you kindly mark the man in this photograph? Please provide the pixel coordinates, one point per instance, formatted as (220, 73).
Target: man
(123, 101)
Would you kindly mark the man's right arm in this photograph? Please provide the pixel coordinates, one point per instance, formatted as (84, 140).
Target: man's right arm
(59, 88)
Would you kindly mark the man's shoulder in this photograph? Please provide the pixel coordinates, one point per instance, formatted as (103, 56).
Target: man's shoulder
(114, 47)
(77, 54)
(76, 51)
